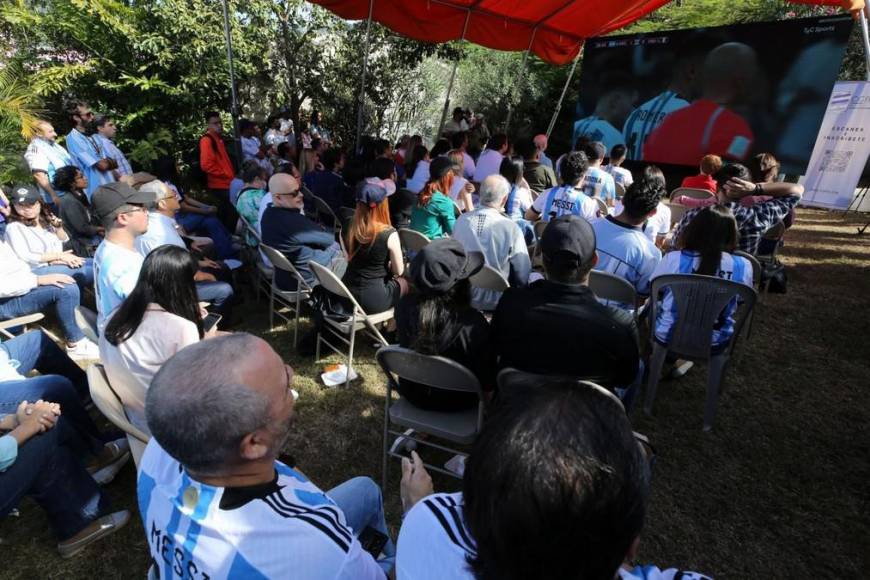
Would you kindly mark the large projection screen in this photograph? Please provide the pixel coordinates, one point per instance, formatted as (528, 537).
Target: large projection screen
(672, 97)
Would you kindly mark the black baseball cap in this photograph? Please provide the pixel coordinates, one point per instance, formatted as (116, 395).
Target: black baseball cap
(110, 196)
(569, 237)
(439, 167)
(443, 263)
(24, 194)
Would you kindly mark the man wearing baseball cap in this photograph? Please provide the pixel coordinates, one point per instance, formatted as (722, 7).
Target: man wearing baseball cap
(557, 326)
(123, 212)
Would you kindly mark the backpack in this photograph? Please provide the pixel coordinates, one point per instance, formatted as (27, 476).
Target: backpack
(191, 158)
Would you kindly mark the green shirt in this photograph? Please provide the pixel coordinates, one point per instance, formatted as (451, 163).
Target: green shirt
(435, 219)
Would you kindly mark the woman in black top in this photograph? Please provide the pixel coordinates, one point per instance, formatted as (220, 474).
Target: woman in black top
(82, 227)
(375, 264)
(436, 318)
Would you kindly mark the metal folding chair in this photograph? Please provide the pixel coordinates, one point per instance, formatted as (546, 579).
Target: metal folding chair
(290, 299)
(109, 404)
(322, 210)
(346, 331)
(261, 268)
(461, 427)
(699, 302)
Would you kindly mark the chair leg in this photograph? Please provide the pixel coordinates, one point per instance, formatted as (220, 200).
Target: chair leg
(656, 362)
(317, 347)
(296, 319)
(715, 380)
(386, 441)
(350, 351)
(272, 307)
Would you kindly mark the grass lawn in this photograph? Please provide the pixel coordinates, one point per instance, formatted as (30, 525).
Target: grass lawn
(777, 490)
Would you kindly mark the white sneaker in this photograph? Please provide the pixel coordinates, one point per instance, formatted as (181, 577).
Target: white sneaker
(116, 455)
(84, 350)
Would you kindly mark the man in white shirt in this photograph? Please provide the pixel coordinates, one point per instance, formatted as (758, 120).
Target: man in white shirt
(488, 231)
(162, 230)
(584, 523)
(620, 174)
(490, 158)
(213, 497)
(87, 150)
(459, 141)
(456, 124)
(44, 157)
(623, 248)
(123, 212)
(597, 182)
(566, 199)
(252, 147)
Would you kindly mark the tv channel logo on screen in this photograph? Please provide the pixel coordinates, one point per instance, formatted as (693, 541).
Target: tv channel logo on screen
(839, 100)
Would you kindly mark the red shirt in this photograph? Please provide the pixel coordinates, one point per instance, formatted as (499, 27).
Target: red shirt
(687, 134)
(700, 181)
(215, 161)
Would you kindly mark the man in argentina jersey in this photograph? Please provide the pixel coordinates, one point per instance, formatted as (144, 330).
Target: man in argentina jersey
(215, 502)
(567, 199)
(597, 182)
(509, 525)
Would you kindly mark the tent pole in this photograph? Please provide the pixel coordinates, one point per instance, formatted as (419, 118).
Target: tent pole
(864, 15)
(450, 84)
(522, 77)
(234, 106)
(564, 91)
(362, 83)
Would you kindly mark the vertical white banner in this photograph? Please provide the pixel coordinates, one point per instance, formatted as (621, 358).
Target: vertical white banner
(841, 149)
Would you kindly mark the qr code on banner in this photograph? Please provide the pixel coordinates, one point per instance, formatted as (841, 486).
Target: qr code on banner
(836, 161)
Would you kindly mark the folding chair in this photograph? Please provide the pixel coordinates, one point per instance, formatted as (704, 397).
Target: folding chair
(678, 211)
(262, 270)
(774, 233)
(613, 288)
(23, 321)
(756, 283)
(109, 404)
(321, 209)
(488, 278)
(692, 192)
(86, 320)
(412, 241)
(699, 302)
(346, 331)
(291, 299)
(461, 427)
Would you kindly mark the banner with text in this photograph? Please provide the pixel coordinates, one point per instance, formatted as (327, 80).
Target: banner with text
(841, 150)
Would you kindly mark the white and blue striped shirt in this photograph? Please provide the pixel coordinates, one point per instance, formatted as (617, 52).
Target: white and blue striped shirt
(735, 268)
(48, 157)
(287, 528)
(644, 119)
(625, 251)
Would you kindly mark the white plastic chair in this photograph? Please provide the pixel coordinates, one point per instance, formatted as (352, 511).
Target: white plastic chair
(678, 211)
(412, 240)
(109, 404)
(699, 301)
(291, 299)
(86, 320)
(610, 287)
(488, 278)
(602, 206)
(23, 321)
(694, 193)
(346, 331)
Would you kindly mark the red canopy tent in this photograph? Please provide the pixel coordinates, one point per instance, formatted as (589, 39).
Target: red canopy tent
(554, 30)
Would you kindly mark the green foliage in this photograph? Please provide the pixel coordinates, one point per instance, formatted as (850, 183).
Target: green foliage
(18, 113)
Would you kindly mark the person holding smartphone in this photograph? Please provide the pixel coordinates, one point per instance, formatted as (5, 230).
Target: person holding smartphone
(160, 317)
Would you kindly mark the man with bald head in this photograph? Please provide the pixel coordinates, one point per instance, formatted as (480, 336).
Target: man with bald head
(216, 502)
(284, 228)
(710, 125)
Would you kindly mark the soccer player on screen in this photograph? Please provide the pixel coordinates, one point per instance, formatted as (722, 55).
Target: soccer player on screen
(710, 125)
(617, 97)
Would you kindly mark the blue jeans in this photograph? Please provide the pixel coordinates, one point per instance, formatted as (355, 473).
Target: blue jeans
(83, 275)
(208, 225)
(48, 470)
(220, 294)
(60, 381)
(40, 299)
(363, 506)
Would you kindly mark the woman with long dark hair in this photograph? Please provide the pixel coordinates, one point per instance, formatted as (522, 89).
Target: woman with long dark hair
(37, 236)
(375, 261)
(417, 169)
(435, 213)
(436, 318)
(706, 247)
(82, 227)
(160, 317)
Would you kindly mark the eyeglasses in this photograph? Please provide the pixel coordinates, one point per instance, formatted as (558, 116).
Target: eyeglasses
(137, 209)
(290, 193)
(88, 115)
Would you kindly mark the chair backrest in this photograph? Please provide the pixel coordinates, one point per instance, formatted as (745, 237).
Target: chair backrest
(540, 226)
(691, 192)
(281, 262)
(412, 240)
(699, 302)
(322, 208)
(253, 231)
(109, 404)
(620, 190)
(677, 212)
(86, 320)
(602, 206)
(432, 371)
(333, 283)
(611, 287)
(489, 278)
(756, 266)
(511, 380)
(775, 232)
